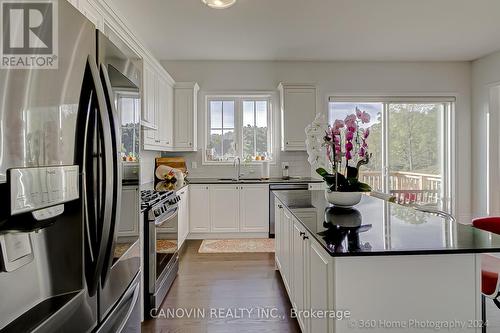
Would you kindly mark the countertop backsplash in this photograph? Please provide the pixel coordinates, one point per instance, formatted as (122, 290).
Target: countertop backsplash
(298, 166)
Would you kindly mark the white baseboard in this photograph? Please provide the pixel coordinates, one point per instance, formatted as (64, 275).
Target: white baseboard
(227, 235)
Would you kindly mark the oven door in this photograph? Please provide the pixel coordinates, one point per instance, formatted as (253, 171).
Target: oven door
(162, 249)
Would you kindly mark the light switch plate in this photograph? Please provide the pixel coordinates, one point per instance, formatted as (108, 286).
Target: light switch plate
(194, 165)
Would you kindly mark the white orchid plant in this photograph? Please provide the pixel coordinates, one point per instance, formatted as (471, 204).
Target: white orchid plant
(332, 148)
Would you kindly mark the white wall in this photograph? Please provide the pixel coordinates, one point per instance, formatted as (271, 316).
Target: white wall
(358, 78)
(485, 80)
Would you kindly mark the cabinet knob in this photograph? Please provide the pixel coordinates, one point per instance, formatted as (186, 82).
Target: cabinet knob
(207, 187)
(302, 233)
(305, 237)
(280, 206)
(190, 144)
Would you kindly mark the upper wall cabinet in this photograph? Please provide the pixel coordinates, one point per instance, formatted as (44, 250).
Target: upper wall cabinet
(158, 86)
(165, 112)
(298, 109)
(150, 93)
(185, 116)
(158, 109)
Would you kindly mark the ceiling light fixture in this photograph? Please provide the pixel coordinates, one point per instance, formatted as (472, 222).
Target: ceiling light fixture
(219, 4)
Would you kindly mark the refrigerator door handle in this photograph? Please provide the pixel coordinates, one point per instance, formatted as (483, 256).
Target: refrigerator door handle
(117, 177)
(94, 137)
(137, 291)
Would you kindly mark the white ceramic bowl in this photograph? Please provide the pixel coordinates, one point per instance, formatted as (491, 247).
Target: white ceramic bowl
(343, 199)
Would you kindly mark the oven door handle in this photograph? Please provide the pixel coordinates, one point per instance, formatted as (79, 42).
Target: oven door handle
(161, 221)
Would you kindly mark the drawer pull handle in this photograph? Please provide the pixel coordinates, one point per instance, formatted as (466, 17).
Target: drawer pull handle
(302, 233)
(305, 237)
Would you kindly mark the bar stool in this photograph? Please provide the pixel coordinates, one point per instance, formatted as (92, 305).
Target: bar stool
(490, 265)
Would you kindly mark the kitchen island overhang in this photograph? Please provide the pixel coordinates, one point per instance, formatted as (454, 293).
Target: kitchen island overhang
(384, 263)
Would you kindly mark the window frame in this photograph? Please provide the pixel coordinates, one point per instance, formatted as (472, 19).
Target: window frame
(448, 147)
(238, 99)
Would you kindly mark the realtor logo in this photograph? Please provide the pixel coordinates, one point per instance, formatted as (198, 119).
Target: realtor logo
(29, 38)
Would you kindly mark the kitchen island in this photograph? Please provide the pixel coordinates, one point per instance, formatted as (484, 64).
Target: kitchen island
(378, 267)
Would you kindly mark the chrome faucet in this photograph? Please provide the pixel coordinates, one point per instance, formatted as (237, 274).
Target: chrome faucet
(237, 166)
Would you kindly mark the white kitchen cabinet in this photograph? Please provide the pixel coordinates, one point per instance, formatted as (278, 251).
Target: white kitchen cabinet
(224, 208)
(306, 270)
(254, 208)
(185, 116)
(165, 111)
(199, 208)
(129, 215)
(183, 217)
(286, 244)
(298, 109)
(149, 111)
(298, 271)
(158, 108)
(318, 286)
(229, 208)
(278, 216)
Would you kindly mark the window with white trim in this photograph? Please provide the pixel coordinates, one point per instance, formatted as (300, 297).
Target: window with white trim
(238, 126)
(410, 143)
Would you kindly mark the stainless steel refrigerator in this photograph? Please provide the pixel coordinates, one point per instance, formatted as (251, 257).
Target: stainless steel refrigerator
(64, 265)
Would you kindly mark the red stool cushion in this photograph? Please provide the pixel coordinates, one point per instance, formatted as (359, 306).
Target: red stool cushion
(491, 224)
(490, 265)
(490, 270)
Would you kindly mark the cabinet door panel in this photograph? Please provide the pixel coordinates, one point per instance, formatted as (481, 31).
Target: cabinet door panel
(183, 216)
(299, 110)
(129, 225)
(183, 118)
(149, 116)
(318, 286)
(286, 249)
(165, 112)
(298, 268)
(224, 208)
(199, 208)
(254, 208)
(278, 211)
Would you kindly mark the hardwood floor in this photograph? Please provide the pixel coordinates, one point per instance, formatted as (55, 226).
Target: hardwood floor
(236, 284)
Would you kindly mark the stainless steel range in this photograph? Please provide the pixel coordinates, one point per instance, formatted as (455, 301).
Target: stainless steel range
(161, 258)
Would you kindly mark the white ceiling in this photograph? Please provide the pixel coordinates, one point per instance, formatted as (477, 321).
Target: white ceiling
(317, 29)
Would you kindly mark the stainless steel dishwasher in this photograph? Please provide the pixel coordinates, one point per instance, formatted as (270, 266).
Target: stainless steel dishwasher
(280, 187)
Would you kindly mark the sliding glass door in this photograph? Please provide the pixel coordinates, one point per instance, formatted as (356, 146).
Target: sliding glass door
(410, 146)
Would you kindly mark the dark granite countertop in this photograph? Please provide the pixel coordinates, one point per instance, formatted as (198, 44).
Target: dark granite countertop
(276, 180)
(376, 227)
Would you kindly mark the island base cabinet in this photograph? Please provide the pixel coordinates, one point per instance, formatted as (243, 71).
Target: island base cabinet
(382, 293)
(415, 290)
(318, 288)
(286, 257)
(300, 242)
(278, 215)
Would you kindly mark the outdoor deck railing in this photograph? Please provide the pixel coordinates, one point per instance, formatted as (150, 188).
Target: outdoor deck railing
(407, 187)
